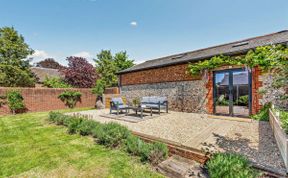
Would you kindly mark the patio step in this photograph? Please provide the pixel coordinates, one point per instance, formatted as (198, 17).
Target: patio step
(180, 167)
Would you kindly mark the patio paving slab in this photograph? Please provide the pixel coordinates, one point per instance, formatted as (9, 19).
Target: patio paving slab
(252, 139)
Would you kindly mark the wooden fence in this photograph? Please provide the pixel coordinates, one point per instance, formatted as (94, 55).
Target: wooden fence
(112, 90)
(280, 136)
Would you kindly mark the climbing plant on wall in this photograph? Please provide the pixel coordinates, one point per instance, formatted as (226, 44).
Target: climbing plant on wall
(272, 59)
(266, 57)
(70, 98)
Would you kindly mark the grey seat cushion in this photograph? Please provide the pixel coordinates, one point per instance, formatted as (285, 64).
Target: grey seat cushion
(145, 100)
(118, 101)
(123, 106)
(153, 100)
(152, 105)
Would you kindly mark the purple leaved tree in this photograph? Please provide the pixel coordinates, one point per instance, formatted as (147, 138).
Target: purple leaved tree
(79, 73)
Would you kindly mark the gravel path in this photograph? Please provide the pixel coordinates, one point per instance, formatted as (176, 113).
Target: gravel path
(253, 139)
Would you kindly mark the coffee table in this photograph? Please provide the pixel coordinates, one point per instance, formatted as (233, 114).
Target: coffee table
(138, 109)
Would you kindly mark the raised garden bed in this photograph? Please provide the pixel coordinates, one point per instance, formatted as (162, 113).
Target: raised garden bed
(280, 136)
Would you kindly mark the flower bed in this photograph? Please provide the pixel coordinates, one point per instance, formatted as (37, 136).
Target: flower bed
(112, 135)
(279, 128)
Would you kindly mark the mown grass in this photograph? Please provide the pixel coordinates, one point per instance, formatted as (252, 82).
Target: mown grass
(31, 147)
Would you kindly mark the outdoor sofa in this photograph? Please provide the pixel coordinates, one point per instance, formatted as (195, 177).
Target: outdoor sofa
(118, 105)
(155, 102)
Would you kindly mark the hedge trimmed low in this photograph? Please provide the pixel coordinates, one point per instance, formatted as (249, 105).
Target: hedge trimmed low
(112, 135)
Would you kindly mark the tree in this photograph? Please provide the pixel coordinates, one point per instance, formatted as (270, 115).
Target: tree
(79, 73)
(14, 69)
(13, 48)
(108, 65)
(55, 82)
(49, 63)
(122, 62)
(11, 76)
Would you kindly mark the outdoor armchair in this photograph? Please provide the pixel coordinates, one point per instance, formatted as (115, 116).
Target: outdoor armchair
(118, 105)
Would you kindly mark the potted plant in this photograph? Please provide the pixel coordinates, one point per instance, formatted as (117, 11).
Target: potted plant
(136, 102)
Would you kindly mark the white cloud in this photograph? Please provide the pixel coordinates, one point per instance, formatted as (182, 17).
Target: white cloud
(39, 54)
(83, 54)
(133, 23)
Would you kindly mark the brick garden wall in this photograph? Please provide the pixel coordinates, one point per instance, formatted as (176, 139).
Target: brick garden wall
(46, 99)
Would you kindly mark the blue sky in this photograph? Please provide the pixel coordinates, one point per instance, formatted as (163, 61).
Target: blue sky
(146, 29)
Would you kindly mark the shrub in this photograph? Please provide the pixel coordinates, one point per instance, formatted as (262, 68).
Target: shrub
(3, 100)
(70, 98)
(158, 153)
(263, 114)
(53, 116)
(86, 127)
(284, 120)
(15, 101)
(223, 102)
(74, 124)
(67, 120)
(153, 153)
(229, 165)
(145, 151)
(97, 131)
(134, 145)
(242, 101)
(112, 134)
(55, 82)
(59, 118)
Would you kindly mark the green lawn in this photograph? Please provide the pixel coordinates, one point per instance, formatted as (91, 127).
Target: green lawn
(31, 147)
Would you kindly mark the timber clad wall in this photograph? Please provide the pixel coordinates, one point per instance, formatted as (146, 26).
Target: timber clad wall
(46, 99)
(164, 74)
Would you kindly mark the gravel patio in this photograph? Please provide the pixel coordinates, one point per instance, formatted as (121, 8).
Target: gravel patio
(252, 138)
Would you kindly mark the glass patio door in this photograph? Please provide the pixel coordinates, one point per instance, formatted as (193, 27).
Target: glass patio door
(232, 92)
(222, 93)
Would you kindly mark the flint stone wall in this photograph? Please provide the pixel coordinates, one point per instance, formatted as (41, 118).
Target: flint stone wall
(188, 96)
(271, 94)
